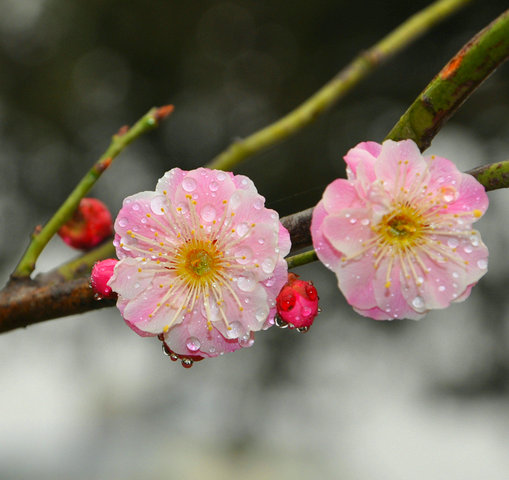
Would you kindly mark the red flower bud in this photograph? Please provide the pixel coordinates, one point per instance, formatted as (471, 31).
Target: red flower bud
(101, 274)
(297, 303)
(90, 224)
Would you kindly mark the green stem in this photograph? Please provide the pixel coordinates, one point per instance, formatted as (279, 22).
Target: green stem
(492, 176)
(84, 263)
(301, 259)
(123, 138)
(335, 89)
(473, 64)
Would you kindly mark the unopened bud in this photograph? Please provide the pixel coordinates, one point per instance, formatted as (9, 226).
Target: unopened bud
(100, 276)
(90, 224)
(297, 302)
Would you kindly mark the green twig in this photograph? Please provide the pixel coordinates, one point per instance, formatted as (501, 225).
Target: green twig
(473, 64)
(123, 138)
(492, 176)
(335, 89)
(79, 266)
(301, 259)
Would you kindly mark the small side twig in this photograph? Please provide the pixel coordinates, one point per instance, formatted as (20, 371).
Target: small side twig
(124, 137)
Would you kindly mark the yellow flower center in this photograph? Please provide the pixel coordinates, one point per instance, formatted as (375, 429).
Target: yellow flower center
(198, 261)
(402, 227)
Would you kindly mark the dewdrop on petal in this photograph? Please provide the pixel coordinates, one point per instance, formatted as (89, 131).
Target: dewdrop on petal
(90, 225)
(398, 231)
(100, 276)
(297, 304)
(201, 262)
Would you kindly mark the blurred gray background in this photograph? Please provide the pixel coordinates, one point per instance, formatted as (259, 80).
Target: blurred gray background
(85, 398)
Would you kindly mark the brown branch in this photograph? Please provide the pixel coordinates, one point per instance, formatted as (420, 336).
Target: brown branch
(24, 302)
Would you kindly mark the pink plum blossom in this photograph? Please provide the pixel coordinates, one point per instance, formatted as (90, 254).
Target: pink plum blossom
(201, 262)
(398, 231)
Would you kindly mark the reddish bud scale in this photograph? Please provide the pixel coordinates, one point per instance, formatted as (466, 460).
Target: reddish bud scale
(297, 302)
(90, 224)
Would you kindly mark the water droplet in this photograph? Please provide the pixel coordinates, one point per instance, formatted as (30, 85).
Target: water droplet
(269, 282)
(212, 349)
(213, 186)
(243, 254)
(187, 362)
(236, 330)
(123, 222)
(306, 311)
(418, 303)
(136, 206)
(157, 203)
(348, 215)
(208, 213)
(246, 283)
(468, 249)
(268, 265)
(261, 241)
(441, 288)
(455, 274)
(262, 314)
(258, 203)
(279, 322)
(353, 220)
(449, 194)
(419, 281)
(246, 340)
(144, 220)
(221, 176)
(474, 240)
(452, 242)
(213, 313)
(365, 221)
(136, 285)
(189, 184)
(182, 208)
(482, 263)
(235, 200)
(193, 344)
(242, 229)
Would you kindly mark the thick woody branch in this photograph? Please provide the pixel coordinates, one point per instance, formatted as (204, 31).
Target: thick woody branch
(24, 301)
